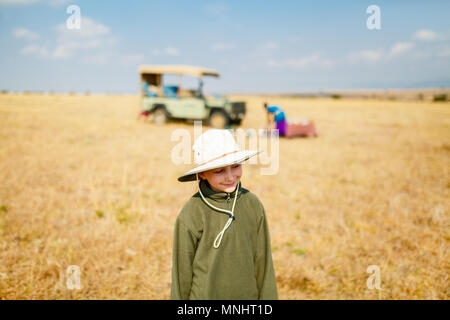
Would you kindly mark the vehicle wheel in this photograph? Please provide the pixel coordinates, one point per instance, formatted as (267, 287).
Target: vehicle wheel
(218, 120)
(160, 116)
(237, 122)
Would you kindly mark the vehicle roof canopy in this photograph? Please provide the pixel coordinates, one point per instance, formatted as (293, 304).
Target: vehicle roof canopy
(177, 69)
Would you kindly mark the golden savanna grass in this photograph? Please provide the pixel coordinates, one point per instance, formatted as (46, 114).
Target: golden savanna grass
(83, 182)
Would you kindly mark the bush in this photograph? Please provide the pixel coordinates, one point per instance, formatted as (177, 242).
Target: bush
(440, 97)
(335, 96)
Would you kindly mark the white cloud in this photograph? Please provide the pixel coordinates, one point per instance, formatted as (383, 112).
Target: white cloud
(443, 53)
(93, 43)
(222, 46)
(425, 35)
(22, 33)
(131, 59)
(91, 35)
(422, 54)
(400, 47)
(314, 60)
(35, 50)
(89, 29)
(18, 2)
(71, 42)
(128, 59)
(62, 52)
(369, 56)
(431, 53)
(169, 51)
(98, 58)
(53, 3)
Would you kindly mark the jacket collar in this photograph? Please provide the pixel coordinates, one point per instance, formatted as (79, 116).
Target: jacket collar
(217, 195)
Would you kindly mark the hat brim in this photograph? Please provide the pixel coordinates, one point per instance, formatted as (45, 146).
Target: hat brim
(230, 159)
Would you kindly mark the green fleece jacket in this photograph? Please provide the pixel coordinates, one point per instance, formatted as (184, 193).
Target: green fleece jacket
(241, 267)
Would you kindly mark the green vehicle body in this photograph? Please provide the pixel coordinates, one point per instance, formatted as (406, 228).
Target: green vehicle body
(192, 104)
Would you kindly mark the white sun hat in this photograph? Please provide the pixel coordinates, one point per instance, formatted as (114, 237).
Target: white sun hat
(213, 149)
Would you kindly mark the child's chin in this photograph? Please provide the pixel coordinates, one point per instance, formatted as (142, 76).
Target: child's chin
(229, 189)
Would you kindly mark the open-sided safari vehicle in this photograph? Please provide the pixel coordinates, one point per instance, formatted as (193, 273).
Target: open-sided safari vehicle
(166, 102)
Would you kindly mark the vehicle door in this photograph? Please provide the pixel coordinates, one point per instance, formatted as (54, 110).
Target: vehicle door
(189, 108)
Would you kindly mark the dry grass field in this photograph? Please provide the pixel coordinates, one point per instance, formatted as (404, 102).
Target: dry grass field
(83, 182)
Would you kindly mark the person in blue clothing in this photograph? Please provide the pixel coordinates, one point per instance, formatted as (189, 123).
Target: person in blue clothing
(276, 115)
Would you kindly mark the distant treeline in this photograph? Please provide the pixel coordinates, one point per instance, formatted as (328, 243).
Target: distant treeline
(436, 95)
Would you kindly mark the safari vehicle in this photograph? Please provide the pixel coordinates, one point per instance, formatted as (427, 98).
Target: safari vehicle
(165, 102)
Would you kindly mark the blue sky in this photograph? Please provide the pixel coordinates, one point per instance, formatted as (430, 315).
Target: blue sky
(257, 46)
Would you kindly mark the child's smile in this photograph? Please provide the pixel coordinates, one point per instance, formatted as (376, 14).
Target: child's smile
(223, 179)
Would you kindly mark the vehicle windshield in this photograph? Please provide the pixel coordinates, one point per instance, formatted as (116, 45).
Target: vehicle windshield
(189, 86)
(178, 86)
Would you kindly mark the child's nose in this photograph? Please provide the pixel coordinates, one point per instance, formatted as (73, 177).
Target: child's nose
(229, 174)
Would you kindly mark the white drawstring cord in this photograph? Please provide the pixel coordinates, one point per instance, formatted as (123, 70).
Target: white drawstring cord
(219, 237)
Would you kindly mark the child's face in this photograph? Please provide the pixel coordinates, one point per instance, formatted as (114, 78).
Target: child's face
(223, 179)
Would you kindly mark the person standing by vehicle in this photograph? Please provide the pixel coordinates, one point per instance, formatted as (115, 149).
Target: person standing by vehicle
(276, 115)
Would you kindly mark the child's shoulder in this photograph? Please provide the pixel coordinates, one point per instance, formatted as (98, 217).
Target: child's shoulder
(190, 208)
(255, 203)
(251, 198)
(190, 216)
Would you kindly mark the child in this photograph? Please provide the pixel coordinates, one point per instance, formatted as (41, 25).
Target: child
(221, 247)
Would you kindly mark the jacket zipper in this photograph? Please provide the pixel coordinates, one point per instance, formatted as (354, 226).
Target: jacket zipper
(228, 207)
